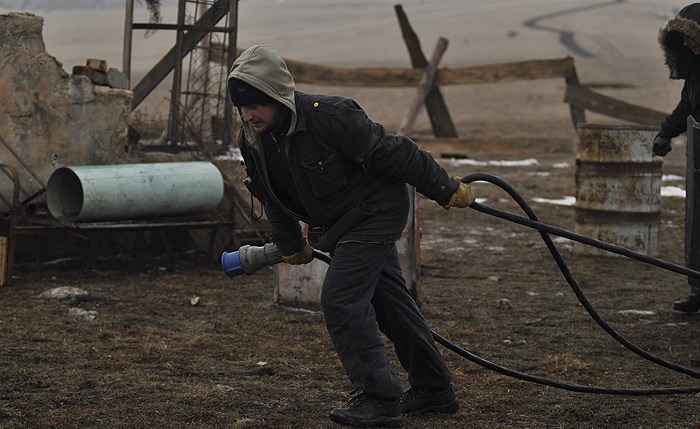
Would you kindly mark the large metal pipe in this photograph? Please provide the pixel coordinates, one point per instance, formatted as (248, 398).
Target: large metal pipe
(128, 191)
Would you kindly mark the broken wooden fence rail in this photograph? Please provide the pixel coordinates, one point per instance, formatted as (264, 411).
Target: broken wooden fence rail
(579, 97)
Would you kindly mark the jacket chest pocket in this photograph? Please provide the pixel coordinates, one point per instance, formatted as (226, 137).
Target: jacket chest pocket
(326, 174)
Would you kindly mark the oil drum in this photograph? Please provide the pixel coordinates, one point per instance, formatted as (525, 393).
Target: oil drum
(618, 187)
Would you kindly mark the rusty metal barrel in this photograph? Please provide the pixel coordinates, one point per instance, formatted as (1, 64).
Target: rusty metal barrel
(618, 188)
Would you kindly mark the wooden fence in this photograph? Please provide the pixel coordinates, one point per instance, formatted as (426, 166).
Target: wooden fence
(427, 78)
(579, 97)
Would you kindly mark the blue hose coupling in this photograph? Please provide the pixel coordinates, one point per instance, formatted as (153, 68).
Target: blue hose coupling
(231, 263)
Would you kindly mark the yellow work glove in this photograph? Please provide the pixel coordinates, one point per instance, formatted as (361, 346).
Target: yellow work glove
(304, 256)
(463, 197)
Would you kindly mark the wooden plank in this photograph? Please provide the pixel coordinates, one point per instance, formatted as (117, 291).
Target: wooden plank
(509, 72)
(438, 113)
(398, 77)
(3, 260)
(423, 88)
(692, 203)
(394, 77)
(588, 99)
(166, 64)
(370, 77)
(578, 114)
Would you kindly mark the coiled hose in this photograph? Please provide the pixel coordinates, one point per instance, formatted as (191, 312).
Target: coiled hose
(544, 229)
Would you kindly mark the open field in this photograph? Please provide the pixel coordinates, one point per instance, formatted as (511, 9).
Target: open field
(137, 351)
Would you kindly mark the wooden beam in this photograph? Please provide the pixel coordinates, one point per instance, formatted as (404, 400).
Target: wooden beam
(369, 77)
(400, 77)
(423, 87)
(190, 39)
(588, 99)
(508, 72)
(3, 261)
(692, 202)
(387, 77)
(434, 102)
(578, 114)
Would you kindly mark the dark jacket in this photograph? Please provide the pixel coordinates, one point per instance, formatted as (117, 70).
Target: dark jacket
(344, 166)
(682, 64)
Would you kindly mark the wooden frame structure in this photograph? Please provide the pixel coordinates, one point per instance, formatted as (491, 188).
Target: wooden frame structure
(425, 76)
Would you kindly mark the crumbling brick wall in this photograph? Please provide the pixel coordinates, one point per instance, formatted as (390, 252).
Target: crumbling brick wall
(49, 118)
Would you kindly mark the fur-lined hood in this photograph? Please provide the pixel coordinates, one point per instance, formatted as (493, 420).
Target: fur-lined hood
(681, 62)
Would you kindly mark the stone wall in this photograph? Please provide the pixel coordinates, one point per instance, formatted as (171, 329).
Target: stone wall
(49, 118)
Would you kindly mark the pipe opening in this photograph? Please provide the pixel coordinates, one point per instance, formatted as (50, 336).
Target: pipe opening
(64, 194)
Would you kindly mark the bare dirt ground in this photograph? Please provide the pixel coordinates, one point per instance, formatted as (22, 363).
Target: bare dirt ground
(170, 342)
(150, 358)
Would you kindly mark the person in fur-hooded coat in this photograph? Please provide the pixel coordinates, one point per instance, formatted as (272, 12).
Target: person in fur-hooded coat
(679, 38)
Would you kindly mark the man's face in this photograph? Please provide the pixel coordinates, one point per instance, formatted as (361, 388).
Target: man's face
(263, 117)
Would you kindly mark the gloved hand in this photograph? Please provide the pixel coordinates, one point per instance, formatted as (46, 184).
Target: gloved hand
(463, 196)
(662, 146)
(304, 256)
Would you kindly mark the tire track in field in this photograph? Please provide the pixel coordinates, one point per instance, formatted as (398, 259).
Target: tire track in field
(566, 37)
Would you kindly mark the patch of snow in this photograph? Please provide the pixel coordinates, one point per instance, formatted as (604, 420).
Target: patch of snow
(564, 201)
(671, 178)
(233, 154)
(672, 191)
(500, 163)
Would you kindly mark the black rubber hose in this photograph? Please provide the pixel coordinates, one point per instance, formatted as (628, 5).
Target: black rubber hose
(534, 223)
(560, 385)
(570, 279)
(544, 229)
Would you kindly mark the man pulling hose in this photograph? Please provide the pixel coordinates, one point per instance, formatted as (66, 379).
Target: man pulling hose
(319, 159)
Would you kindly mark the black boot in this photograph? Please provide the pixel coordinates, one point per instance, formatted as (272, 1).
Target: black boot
(691, 304)
(368, 411)
(417, 401)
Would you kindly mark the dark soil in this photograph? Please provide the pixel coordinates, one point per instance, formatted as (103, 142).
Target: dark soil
(155, 357)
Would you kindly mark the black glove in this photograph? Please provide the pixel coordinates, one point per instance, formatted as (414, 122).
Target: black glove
(662, 146)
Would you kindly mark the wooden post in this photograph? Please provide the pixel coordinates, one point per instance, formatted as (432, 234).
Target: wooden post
(578, 114)
(423, 88)
(692, 222)
(3, 260)
(434, 103)
(167, 64)
(7, 243)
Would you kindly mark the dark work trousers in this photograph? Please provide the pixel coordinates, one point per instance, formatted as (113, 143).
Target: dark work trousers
(364, 293)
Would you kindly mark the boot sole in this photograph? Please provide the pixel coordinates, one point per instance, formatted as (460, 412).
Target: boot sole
(449, 408)
(686, 309)
(384, 421)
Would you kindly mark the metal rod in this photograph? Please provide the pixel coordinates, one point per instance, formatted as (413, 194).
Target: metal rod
(174, 128)
(207, 28)
(230, 57)
(128, 34)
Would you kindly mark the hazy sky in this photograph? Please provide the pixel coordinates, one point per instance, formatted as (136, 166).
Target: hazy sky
(323, 31)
